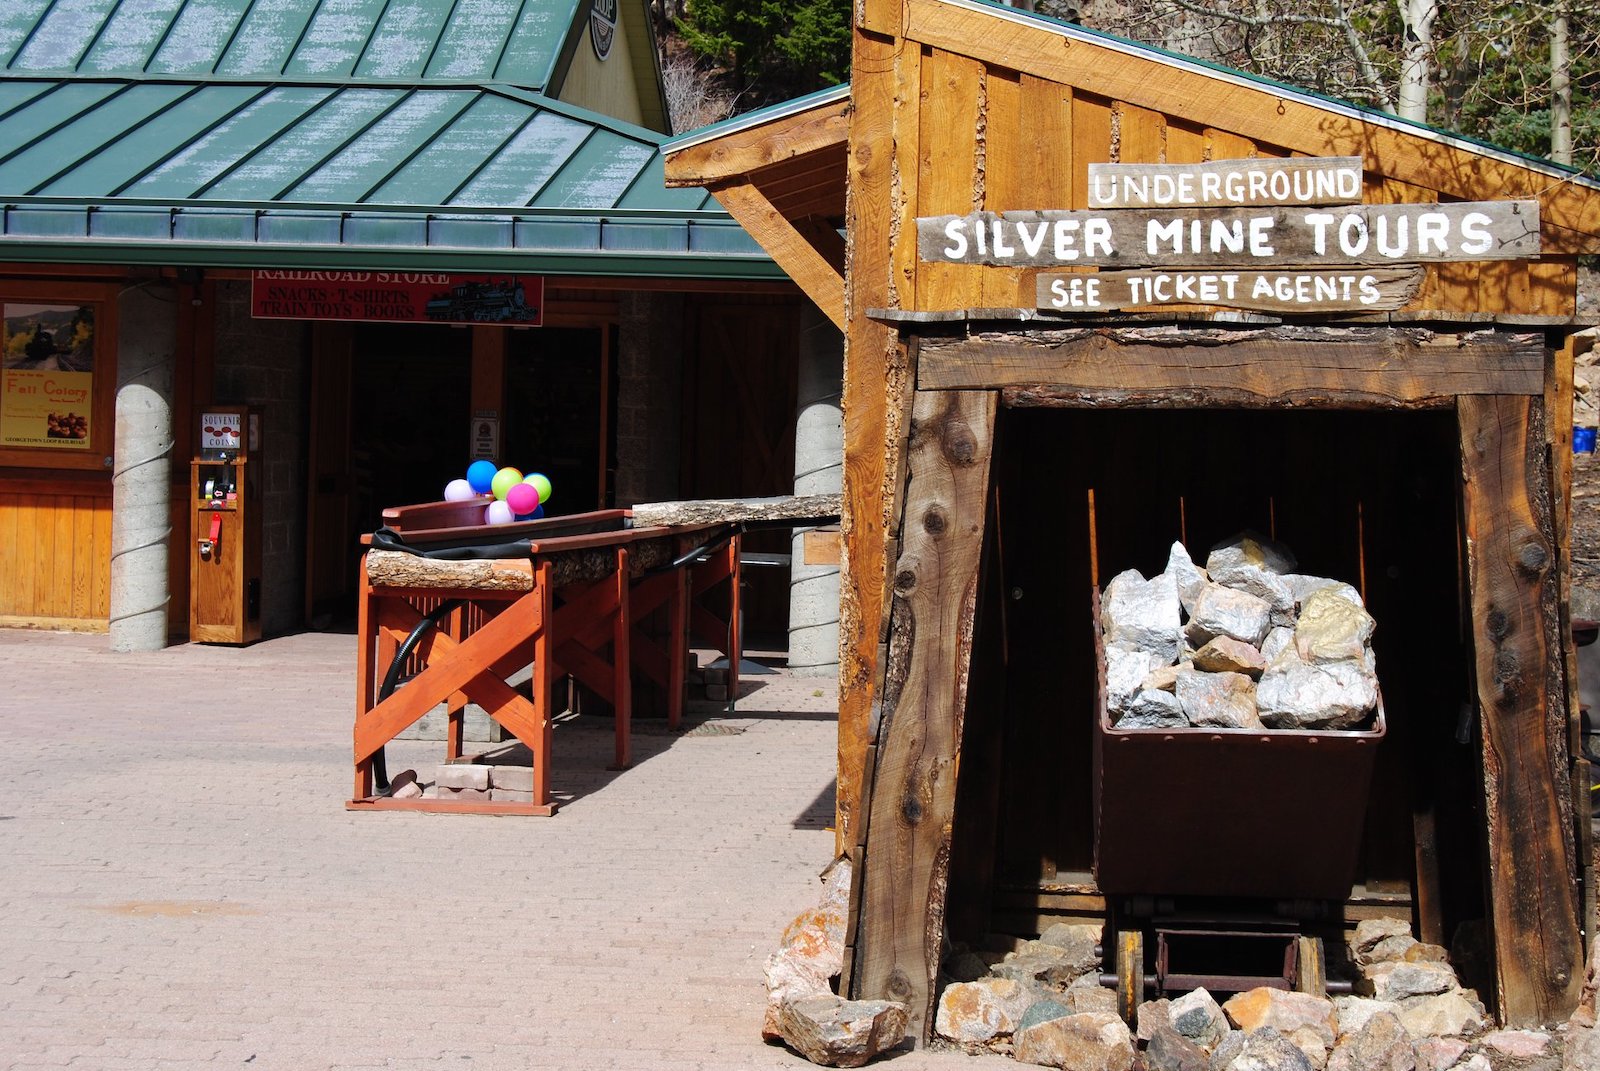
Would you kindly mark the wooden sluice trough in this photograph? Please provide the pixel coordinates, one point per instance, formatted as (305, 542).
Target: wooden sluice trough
(575, 599)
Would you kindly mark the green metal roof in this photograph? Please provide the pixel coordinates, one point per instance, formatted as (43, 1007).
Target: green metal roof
(297, 133)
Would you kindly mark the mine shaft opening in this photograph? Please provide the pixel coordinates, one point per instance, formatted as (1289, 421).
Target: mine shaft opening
(1370, 498)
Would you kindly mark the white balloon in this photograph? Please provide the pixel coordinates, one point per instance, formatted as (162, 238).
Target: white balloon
(498, 513)
(459, 491)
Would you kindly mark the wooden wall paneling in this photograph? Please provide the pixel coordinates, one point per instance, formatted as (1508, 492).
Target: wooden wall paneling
(1006, 184)
(906, 118)
(11, 557)
(81, 576)
(1226, 145)
(1143, 133)
(101, 593)
(44, 554)
(1091, 142)
(1186, 143)
(950, 175)
(1279, 122)
(1553, 286)
(1045, 153)
(913, 796)
(1506, 496)
(869, 350)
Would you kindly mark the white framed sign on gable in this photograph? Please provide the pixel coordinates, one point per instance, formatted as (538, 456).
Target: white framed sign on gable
(602, 26)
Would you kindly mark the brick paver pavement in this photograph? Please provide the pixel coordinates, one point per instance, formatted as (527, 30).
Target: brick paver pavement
(181, 887)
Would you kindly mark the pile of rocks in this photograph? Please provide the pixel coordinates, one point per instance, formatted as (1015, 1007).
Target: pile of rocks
(1244, 643)
(1042, 1003)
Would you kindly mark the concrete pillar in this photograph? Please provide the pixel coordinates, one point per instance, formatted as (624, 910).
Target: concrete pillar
(818, 469)
(141, 510)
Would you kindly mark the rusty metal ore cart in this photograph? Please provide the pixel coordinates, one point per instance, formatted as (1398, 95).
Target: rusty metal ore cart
(569, 597)
(1185, 818)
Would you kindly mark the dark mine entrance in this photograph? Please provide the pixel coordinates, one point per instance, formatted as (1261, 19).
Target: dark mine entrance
(1370, 498)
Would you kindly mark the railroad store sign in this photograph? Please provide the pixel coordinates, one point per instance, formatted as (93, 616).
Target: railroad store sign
(398, 297)
(1281, 236)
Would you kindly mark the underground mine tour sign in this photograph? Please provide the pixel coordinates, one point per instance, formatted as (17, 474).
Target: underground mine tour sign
(406, 297)
(1293, 228)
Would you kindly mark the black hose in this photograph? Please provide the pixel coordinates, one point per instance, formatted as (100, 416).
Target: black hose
(391, 680)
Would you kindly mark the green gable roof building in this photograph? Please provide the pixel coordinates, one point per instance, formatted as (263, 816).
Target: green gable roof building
(164, 162)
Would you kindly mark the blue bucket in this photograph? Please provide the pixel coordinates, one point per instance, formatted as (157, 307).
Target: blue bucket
(1583, 440)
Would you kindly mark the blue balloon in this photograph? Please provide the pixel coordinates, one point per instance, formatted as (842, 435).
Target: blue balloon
(480, 474)
(536, 514)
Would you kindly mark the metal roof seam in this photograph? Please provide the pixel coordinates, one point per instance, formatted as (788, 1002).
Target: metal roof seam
(161, 42)
(104, 145)
(505, 42)
(361, 53)
(261, 146)
(300, 38)
(416, 149)
(489, 158)
(57, 127)
(233, 35)
(551, 177)
(382, 114)
(155, 165)
(99, 32)
(27, 38)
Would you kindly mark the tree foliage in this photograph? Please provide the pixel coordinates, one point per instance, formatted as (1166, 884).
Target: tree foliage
(771, 50)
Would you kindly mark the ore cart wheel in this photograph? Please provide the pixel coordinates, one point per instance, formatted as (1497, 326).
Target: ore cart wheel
(1311, 968)
(1130, 974)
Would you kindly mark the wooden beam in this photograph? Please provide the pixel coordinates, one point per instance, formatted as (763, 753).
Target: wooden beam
(1285, 366)
(740, 152)
(1522, 702)
(924, 702)
(1571, 213)
(806, 264)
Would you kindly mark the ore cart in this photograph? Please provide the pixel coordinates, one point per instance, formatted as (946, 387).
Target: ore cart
(1220, 850)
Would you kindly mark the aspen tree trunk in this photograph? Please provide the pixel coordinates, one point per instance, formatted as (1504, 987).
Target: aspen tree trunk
(1560, 89)
(1417, 60)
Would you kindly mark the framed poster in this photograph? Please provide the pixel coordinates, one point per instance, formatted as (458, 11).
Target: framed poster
(47, 370)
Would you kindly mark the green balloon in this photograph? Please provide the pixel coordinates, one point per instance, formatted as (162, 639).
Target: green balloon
(541, 483)
(503, 481)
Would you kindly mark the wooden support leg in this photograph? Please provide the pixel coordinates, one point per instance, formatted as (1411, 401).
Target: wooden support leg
(622, 666)
(366, 676)
(1521, 684)
(456, 723)
(677, 646)
(913, 793)
(735, 625)
(543, 680)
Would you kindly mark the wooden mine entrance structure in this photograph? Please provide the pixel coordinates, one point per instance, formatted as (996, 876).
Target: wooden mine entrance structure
(1009, 444)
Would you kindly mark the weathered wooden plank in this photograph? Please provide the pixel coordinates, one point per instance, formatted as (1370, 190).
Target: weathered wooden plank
(869, 377)
(1403, 364)
(727, 510)
(1328, 180)
(1006, 183)
(1223, 237)
(741, 152)
(950, 170)
(11, 561)
(393, 569)
(1141, 142)
(1091, 140)
(913, 794)
(1522, 702)
(1291, 290)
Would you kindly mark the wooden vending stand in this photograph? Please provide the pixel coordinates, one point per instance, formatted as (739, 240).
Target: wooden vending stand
(225, 528)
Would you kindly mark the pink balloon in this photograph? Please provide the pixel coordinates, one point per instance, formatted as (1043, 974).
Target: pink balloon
(523, 498)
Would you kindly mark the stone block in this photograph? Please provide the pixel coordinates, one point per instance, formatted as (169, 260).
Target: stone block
(462, 793)
(462, 775)
(510, 795)
(519, 778)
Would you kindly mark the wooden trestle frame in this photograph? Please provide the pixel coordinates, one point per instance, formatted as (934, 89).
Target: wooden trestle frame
(537, 614)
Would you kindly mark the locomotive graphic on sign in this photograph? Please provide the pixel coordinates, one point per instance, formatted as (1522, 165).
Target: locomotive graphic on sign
(505, 301)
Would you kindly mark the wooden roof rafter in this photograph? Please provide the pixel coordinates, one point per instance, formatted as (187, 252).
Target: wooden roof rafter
(783, 179)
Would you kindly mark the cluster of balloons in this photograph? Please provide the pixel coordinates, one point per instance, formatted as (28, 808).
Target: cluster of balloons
(516, 497)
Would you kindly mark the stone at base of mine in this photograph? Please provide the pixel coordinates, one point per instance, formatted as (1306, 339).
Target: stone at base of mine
(972, 1014)
(1311, 1023)
(1260, 1050)
(835, 1032)
(1581, 1051)
(1169, 1050)
(1441, 1015)
(1517, 1045)
(1439, 1054)
(1095, 1041)
(1382, 1044)
(1398, 979)
(812, 949)
(1197, 1016)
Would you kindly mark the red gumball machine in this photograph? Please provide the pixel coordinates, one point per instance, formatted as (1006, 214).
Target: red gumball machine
(225, 516)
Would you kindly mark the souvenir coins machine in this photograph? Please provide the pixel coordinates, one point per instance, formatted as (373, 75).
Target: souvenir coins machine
(225, 523)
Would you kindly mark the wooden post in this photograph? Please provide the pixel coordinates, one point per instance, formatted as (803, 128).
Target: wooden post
(912, 800)
(622, 666)
(1522, 700)
(543, 679)
(366, 672)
